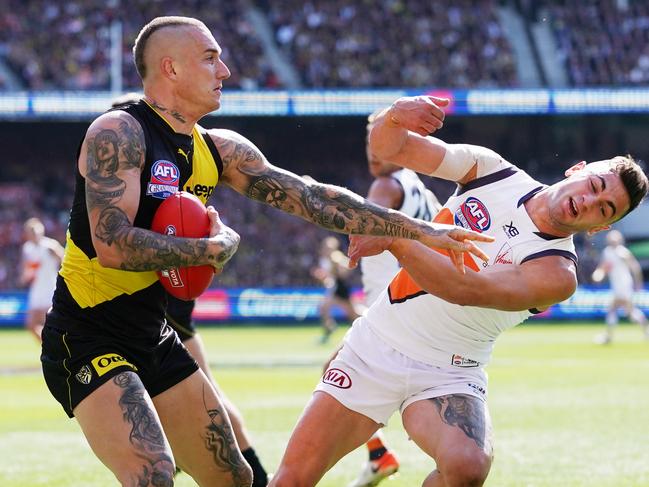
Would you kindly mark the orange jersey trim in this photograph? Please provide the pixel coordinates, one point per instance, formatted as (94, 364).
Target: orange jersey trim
(404, 287)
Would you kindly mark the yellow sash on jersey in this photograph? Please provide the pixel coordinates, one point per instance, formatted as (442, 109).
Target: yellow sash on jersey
(90, 283)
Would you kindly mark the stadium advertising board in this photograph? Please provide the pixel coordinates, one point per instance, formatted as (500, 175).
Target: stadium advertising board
(348, 102)
(301, 304)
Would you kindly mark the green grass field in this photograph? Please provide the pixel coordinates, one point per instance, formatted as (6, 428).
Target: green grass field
(566, 412)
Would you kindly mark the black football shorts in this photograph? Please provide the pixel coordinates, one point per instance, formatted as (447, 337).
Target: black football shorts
(75, 365)
(179, 317)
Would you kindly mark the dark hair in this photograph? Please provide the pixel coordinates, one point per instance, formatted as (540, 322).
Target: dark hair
(633, 178)
(143, 37)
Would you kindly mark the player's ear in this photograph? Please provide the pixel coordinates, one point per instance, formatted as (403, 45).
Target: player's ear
(167, 66)
(598, 228)
(576, 168)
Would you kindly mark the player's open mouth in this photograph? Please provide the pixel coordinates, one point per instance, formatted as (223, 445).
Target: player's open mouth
(573, 207)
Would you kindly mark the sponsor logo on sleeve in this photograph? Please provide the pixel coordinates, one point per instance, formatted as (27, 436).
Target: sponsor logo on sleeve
(460, 361)
(84, 375)
(108, 362)
(337, 378)
(473, 214)
(165, 179)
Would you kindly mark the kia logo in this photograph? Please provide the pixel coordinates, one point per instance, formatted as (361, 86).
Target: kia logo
(337, 378)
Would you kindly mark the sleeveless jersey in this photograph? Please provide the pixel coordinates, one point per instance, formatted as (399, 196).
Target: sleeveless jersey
(90, 297)
(434, 331)
(378, 270)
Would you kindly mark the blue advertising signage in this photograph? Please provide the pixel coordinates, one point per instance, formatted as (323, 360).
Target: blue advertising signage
(301, 305)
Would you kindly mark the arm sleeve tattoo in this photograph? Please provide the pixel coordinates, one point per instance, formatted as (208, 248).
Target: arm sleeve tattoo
(328, 206)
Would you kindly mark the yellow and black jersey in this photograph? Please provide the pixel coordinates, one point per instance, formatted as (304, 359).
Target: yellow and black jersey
(90, 297)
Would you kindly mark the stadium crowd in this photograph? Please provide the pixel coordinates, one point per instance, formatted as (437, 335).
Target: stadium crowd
(455, 35)
(602, 42)
(333, 43)
(66, 45)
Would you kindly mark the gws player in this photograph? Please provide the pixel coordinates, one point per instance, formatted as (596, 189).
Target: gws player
(422, 347)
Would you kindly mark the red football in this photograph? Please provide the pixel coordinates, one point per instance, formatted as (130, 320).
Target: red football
(184, 215)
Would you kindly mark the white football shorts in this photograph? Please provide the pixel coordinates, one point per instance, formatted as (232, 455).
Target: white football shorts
(40, 296)
(372, 378)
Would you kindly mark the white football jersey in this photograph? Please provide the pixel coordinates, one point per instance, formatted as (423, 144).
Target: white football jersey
(434, 331)
(619, 273)
(378, 270)
(46, 267)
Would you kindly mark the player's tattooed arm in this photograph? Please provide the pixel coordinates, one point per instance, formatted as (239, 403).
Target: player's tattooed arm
(246, 170)
(112, 164)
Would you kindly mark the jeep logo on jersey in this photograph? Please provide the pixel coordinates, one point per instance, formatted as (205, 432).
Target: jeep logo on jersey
(337, 378)
(473, 214)
(164, 179)
(109, 361)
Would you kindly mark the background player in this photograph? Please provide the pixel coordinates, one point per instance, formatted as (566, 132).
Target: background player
(333, 271)
(41, 258)
(624, 274)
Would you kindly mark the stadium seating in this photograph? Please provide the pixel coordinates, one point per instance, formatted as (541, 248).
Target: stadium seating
(343, 43)
(601, 43)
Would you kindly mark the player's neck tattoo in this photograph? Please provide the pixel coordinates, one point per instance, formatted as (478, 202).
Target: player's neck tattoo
(175, 114)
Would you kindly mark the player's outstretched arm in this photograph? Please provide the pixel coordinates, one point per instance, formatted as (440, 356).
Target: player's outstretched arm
(538, 283)
(247, 171)
(401, 135)
(111, 161)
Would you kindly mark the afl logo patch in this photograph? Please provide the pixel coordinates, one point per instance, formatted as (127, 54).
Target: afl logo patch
(473, 214)
(337, 378)
(165, 178)
(164, 172)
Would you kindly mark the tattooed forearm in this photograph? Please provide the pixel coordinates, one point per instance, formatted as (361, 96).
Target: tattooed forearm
(229, 242)
(465, 412)
(146, 433)
(330, 207)
(220, 441)
(143, 250)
